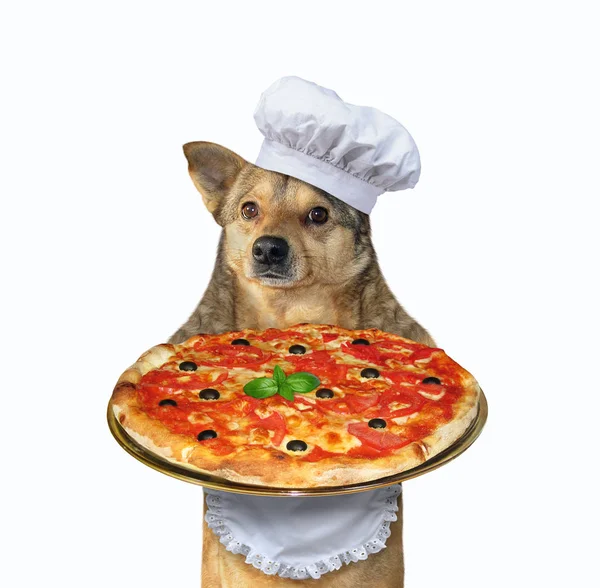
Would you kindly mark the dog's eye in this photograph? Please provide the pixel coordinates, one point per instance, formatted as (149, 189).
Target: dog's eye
(249, 210)
(318, 215)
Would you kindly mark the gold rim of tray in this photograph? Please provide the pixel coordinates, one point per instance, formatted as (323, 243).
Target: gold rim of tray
(186, 474)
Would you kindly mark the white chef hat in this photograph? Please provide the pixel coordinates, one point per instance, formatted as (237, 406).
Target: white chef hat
(353, 152)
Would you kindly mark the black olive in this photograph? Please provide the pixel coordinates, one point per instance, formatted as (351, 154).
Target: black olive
(209, 394)
(188, 366)
(297, 349)
(240, 342)
(296, 445)
(167, 402)
(432, 380)
(324, 393)
(208, 434)
(377, 424)
(360, 342)
(369, 373)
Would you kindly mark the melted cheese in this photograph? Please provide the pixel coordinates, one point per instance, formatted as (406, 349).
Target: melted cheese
(199, 418)
(430, 396)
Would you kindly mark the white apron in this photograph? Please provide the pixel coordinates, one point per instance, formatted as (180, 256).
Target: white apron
(303, 537)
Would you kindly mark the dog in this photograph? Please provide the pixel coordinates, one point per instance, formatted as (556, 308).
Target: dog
(289, 253)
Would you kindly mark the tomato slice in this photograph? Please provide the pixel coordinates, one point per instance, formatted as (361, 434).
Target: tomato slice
(274, 422)
(319, 358)
(380, 351)
(231, 355)
(424, 353)
(239, 406)
(413, 401)
(351, 403)
(361, 403)
(366, 352)
(183, 380)
(376, 438)
(377, 352)
(270, 334)
(317, 454)
(333, 375)
(320, 362)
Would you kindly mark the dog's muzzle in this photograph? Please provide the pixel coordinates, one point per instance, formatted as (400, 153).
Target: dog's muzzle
(271, 258)
(270, 250)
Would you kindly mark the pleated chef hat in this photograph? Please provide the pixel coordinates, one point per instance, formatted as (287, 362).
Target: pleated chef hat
(353, 152)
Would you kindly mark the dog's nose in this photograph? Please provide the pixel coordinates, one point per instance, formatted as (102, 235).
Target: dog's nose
(270, 250)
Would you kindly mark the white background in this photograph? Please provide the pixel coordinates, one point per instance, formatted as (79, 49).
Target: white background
(106, 248)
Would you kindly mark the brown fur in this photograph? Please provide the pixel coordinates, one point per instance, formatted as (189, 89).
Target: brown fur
(333, 277)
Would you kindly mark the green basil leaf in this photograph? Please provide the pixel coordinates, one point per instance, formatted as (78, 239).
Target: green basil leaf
(278, 375)
(302, 381)
(286, 391)
(261, 388)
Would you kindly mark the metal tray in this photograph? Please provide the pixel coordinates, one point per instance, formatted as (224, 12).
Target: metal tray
(193, 476)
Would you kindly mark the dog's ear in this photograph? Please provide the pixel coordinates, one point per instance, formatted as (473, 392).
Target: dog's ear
(213, 170)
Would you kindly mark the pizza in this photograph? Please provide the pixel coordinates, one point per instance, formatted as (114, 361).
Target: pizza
(303, 407)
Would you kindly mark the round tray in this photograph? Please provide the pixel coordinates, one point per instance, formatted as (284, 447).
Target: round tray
(187, 474)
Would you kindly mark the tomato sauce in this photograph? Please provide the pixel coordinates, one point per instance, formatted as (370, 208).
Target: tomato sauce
(317, 454)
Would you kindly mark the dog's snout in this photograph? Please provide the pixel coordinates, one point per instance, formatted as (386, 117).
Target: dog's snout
(270, 250)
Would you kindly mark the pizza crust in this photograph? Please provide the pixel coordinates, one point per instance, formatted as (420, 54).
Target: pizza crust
(272, 467)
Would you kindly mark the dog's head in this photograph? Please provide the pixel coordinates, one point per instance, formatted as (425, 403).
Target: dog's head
(278, 231)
